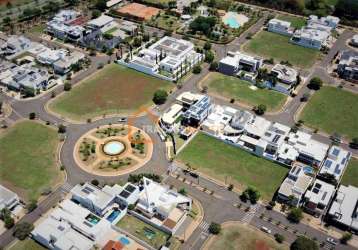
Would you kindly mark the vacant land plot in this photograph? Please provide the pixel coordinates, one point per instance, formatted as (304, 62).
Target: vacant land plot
(27, 244)
(28, 158)
(114, 89)
(296, 22)
(239, 237)
(220, 160)
(166, 22)
(350, 177)
(242, 91)
(143, 231)
(278, 47)
(332, 110)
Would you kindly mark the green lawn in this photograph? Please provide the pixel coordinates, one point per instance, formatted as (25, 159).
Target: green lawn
(272, 45)
(28, 158)
(219, 160)
(296, 22)
(332, 110)
(166, 22)
(350, 177)
(114, 89)
(27, 244)
(137, 227)
(243, 237)
(233, 87)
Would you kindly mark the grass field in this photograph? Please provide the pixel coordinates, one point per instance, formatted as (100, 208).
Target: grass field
(220, 160)
(27, 244)
(332, 110)
(281, 49)
(28, 158)
(350, 177)
(233, 87)
(114, 89)
(240, 237)
(166, 22)
(296, 22)
(137, 228)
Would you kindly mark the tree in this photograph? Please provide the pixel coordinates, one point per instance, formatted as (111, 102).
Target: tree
(207, 45)
(67, 86)
(347, 9)
(96, 13)
(315, 83)
(61, 129)
(295, 215)
(160, 97)
(209, 56)
(354, 143)
(260, 109)
(197, 69)
(23, 229)
(182, 191)
(303, 243)
(31, 206)
(72, 2)
(214, 228)
(32, 115)
(346, 237)
(213, 66)
(203, 24)
(101, 5)
(95, 182)
(279, 238)
(251, 194)
(5, 215)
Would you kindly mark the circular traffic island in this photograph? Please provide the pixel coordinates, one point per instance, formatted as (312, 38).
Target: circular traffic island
(113, 150)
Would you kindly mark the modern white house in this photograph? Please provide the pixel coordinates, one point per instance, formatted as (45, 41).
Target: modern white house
(50, 56)
(310, 38)
(286, 78)
(336, 162)
(8, 199)
(168, 58)
(187, 99)
(348, 65)
(63, 65)
(129, 195)
(344, 207)
(168, 119)
(318, 197)
(198, 112)
(14, 46)
(329, 21)
(236, 61)
(218, 120)
(295, 185)
(280, 27)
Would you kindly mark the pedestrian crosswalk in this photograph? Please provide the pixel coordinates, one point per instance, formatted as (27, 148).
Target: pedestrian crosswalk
(250, 214)
(66, 187)
(204, 226)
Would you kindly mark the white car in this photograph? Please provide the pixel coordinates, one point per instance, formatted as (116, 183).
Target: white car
(332, 241)
(266, 230)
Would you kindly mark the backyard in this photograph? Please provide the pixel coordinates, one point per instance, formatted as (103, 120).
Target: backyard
(296, 22)
(114, 89)
(350, 177)
(236, 236)
(220, 160)
(28, 159)
(332, 110)
(278, 47)
(242, 91)
(143, 231)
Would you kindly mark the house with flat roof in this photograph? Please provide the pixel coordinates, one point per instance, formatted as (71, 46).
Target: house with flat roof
(50, 56)
(236, 61)
(311, 38)
(328, 21)
(129, 195)
(295, 185)
(168, 119)
(198, 112)
(159, 203)
(103, 23)
(344, 209)
(64, 64)
(8, 199)
(14, 46)
(169, 57)
(318, 197)
(348, 65)
(280, 27)
(286, 78)
(220, 117)
(336, 162)
(275, 137)
(187, 99)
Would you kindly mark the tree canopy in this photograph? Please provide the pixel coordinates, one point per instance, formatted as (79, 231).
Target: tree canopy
(203, 24)
(303, 243)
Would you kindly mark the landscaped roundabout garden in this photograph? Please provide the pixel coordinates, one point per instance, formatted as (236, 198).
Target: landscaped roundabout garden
(113, 150)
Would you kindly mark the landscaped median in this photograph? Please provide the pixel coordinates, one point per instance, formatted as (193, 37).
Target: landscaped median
(222, 161)
(28, 155)
(243, 91)
(114, 89)
(332, 110)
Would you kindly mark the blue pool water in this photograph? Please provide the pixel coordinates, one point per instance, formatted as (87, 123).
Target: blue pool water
(113, 215)
(231, 21)
(124, 241)
(308, 170)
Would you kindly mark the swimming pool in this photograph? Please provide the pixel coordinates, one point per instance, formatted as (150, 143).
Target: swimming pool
(124, 240)
(113, 215)
(308, 170)
(234, 20)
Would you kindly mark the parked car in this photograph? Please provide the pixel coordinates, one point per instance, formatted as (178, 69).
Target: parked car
(332, 241)
(265, 229)
(122, 119)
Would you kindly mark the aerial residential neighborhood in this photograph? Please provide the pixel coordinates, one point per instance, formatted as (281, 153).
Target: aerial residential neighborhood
(184, 124)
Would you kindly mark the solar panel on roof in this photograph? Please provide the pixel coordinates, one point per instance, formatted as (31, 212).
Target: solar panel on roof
(324, 196)
(343, 161)
(335, 151)
(337, 170)
(328, 164)
(276, 138)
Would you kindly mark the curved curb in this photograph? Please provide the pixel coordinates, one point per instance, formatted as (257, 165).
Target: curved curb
(119, 172)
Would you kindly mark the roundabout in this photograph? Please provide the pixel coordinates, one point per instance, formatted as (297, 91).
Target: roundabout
(113, 150)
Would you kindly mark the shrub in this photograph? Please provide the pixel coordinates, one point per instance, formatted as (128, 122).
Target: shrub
(260, 109)
(213, 66)
(31, 206)
(197, 69)
(305, 97)
(160, 96)
(61, 129)
(207, 45)
(182, 191)
(23, 229)
(9, 222)
(209, 56)
(315, 83)
(131, 206)
(32, 115)
(214, 228)
(346, 237)
(67, 86)
(279, 238)
(95, 182)
(230, 187)
(303, 243)
(295, 215)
